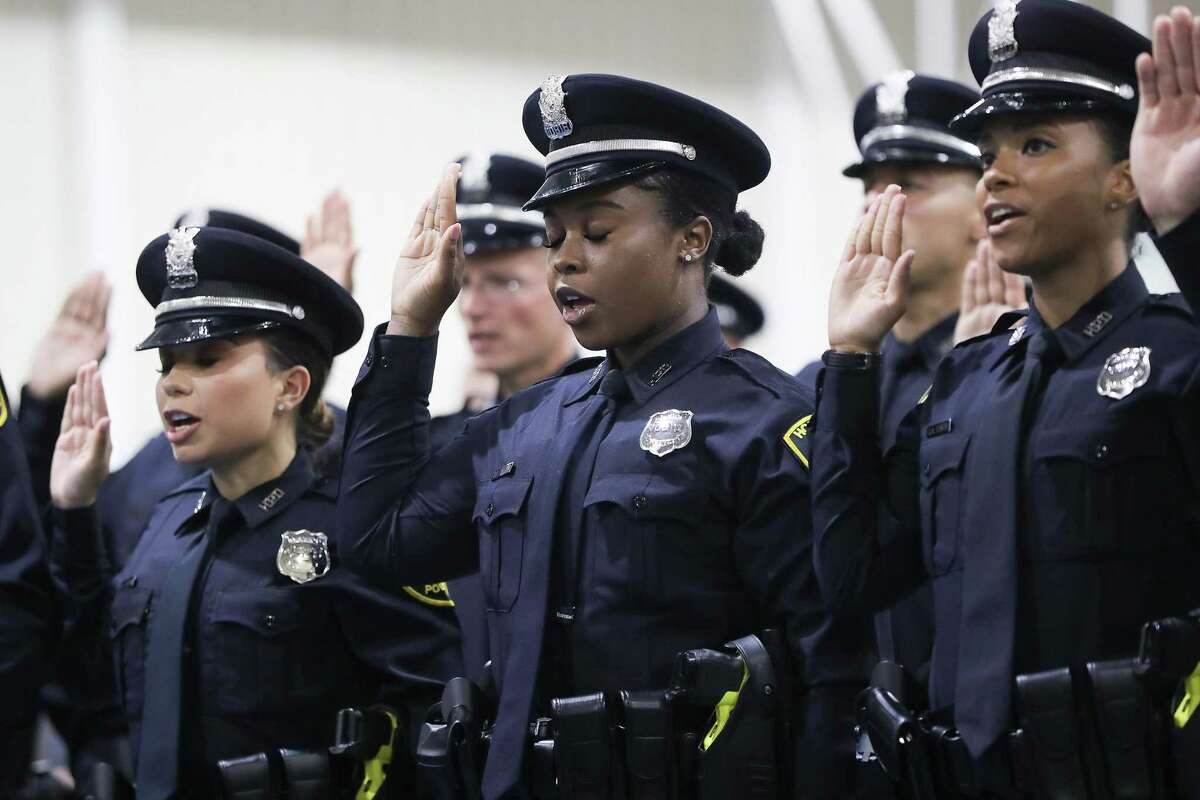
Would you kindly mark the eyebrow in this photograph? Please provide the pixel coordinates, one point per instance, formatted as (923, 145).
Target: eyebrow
(588, 206)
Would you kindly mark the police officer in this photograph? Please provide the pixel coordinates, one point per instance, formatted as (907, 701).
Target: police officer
(901, 126)
(1047, 481)
(28, 612)
(649, 502)
(740, 315)
(513, 328)
(235, 626)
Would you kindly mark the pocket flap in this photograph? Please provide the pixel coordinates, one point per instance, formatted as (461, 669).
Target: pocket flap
(267, 612)
(499, 498)
(644, 497)
(1110, 440)
(130, 606)
(941, 455)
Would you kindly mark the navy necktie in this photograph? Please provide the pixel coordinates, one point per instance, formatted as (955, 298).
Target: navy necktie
(158, 751)
(983, 693)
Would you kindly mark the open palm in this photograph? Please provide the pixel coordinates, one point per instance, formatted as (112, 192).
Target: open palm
(1165, 149)
(429, 271)
(83, 449)
(870, 287)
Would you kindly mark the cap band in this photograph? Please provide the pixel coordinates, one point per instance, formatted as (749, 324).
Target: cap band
(211, 301)
(619, 145)
(887, 133)
(1013, 74)
(470, 212)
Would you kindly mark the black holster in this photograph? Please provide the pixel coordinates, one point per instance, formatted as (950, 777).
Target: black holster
(586, 759)
(649, 744)
(453, 745)
(256, 777)
(1046, 709)
(306, 775)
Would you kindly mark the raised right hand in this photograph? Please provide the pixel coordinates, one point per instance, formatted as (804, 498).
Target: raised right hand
(429, 271)
(987, 293)
(84, 447)
(78, 334)
(870, 288)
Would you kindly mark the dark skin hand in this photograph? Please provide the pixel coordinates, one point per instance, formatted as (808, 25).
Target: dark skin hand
(620, 274)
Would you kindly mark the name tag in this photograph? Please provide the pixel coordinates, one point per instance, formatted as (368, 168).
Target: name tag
(939, 428)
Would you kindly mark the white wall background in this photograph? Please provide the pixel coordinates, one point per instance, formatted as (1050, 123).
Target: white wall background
(119, 114)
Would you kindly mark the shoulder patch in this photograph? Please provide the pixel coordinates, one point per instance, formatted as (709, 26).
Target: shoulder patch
(3, 409)
(796, 439)
(431, 594)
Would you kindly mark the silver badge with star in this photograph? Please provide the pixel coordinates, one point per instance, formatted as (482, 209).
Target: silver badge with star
(666, 432)
(181, 266)
(1124, 371)
(552, 104)
(303, 555)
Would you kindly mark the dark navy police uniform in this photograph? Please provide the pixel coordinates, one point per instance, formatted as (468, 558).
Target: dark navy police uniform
(28, 611)
(905, 120)
(616, 517)
(235, 627)
(1048, 482)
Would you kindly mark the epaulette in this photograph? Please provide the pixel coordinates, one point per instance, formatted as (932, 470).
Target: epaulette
(196, 484)
(578, 365)
(758, 370)
(1173, 301)
(1003, 326)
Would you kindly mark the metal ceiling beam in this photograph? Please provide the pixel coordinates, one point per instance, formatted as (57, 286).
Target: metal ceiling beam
(865, 37)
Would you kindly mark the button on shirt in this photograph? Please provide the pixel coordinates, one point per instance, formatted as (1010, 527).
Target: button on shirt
(1108, 485)
(689, 548)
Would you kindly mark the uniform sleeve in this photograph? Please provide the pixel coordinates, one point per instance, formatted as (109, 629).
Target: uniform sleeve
(831, 654)
(28, 611)
(403, 517)
(39, 422)
(1180, 250)
(866, 505)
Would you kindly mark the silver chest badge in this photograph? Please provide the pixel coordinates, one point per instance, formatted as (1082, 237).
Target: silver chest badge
(666, 432)
(551, 102)
(181, 269)
(891, 98)
(1002, 34)
(1124, 371)
(303, 555)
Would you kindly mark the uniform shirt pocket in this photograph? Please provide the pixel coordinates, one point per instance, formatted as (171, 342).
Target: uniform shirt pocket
(264, 660)
(499, 517)
(943, 498)
(1106, 485)
(650, 534)
(130, 613)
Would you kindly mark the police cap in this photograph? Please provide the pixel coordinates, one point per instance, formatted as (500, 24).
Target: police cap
(212, 283)
(1051, 55)
(738, 312)
(491, 191)
(594, 129)
(217, 218)
(905, 119)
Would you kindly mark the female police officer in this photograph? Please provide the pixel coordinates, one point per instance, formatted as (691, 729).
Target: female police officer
(235, 628)
(1048, 479)
(638, 505)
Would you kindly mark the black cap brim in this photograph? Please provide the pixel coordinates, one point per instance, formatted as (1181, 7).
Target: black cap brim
(908, 155)
(189, 330)
(1003, 104)
(588, 176)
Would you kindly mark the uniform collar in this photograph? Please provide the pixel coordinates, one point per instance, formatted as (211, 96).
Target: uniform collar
(1092, 322)
(928, 349)
(664, 365)
(262, 502)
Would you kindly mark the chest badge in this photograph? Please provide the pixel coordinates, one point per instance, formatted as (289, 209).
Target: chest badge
(1124, 371)
(666, 432)
(303, 555)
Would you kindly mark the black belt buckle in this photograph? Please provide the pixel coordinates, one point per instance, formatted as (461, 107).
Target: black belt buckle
(649, 745)
(584, 761)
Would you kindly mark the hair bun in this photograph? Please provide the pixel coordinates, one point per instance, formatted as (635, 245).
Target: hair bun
(740, 250)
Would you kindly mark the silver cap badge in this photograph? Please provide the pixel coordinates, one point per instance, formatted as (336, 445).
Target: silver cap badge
(891, 98)
(474, 177)
(303, 555)
(1124, 371)
(1002, 34)
(181, 269)
(666, 432)
(551, 102)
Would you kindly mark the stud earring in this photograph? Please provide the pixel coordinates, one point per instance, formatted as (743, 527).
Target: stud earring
(279, 408)
(688, 258)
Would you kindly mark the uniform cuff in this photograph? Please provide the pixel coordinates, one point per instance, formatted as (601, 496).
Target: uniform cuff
(1178, 249)
(76, 539)
(398, 365)
(848, 400)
